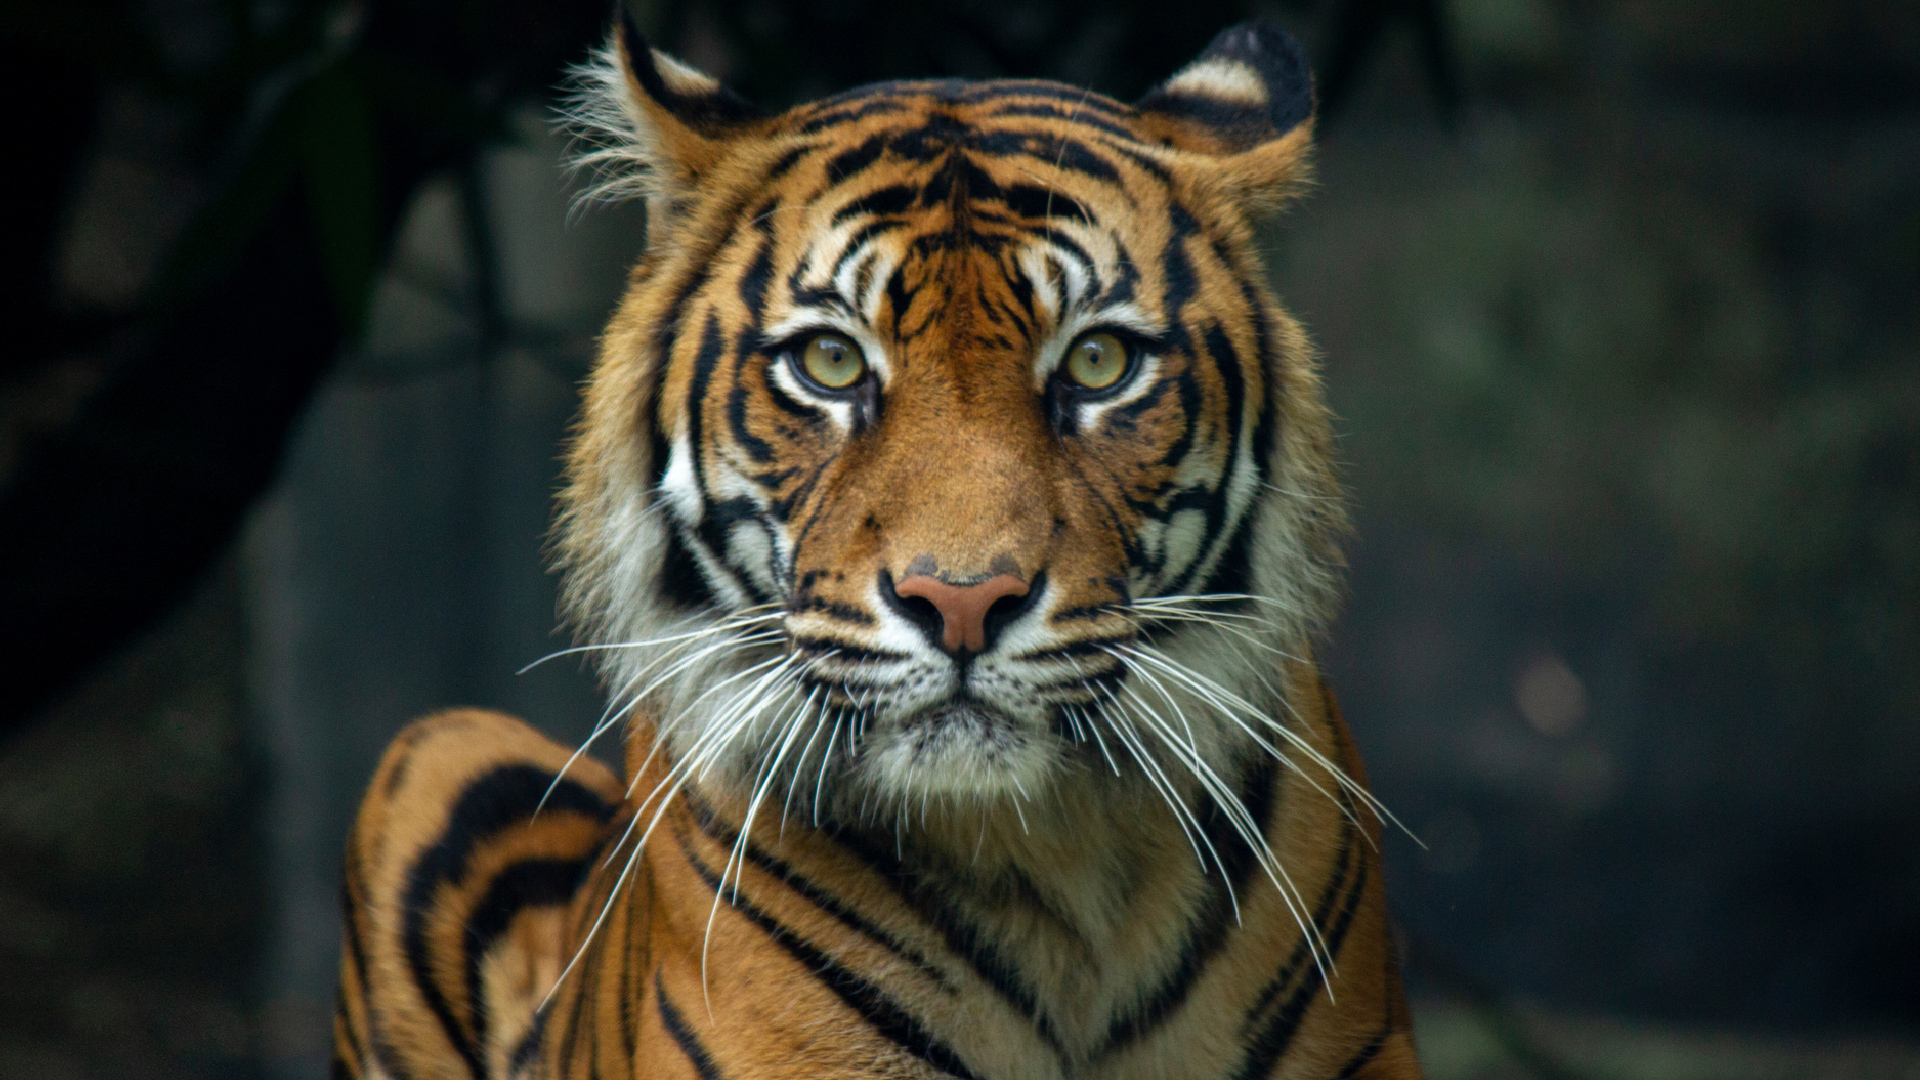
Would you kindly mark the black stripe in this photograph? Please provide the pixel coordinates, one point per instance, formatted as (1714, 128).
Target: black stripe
(717, 519)
(961, 936)
(856, 246)
(350, 892)
(887, 1017)
(836, 609)
(787, 161)
(893, 199)
(1068, 114)
(707, 111)
(350, 889)
(630, 994)
(723, 834)
(1276, 1036)
(716, 531)
(759, 272)
(1034, 201)
(757, 448)
(1367, 1053)
(1141, 159)
(344, 1024)
(683, 1035)
(497, 801)
(833, 117)
(848, 163)
(1072, 649)
(1322, 910)
(529, 1044)
(570, 1036)
(1219, 536)
(531, 883)
(1015, 89)
(1206, 939)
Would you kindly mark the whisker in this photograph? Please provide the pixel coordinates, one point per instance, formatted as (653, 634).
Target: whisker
(612, 716)
(736, 859)
(1234, 707)
(1250, 833)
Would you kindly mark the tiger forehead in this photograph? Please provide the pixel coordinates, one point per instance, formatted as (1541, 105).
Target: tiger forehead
(898, 104)
(956, 185)
(1045, 134)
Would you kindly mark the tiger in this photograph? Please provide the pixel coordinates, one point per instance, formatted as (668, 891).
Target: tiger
(953, 518)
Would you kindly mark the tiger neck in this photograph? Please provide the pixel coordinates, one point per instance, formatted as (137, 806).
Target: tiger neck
(1081, 904)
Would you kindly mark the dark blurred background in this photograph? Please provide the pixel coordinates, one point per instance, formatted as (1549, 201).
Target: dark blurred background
(1620, 302)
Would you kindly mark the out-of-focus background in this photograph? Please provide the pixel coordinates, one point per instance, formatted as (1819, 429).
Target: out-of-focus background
(1620, 303)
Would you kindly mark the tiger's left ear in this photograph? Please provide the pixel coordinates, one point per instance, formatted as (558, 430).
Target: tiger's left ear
(1246, 102)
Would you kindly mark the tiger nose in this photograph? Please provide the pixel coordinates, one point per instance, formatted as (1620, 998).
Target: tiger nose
(962, 608)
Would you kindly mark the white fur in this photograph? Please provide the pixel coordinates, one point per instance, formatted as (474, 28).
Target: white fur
(1227, 80)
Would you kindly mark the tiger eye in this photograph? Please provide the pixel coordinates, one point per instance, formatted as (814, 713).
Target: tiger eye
(1096, 361)
(833, 361)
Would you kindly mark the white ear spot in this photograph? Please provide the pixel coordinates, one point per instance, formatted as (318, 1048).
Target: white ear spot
(1228, 80)
(682, 78)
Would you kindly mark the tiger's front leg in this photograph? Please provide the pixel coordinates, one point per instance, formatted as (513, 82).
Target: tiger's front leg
(469, 846)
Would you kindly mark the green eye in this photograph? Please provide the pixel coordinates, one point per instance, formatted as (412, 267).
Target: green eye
(832, 361)
(1096, 361)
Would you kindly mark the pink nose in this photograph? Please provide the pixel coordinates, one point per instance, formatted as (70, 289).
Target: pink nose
(962, 608)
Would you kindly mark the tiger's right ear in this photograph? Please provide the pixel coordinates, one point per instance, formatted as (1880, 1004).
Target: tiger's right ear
(1245, 106)
(648, 125)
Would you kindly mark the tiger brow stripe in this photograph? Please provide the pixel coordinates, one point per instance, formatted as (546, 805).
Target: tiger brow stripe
(495, 802)
(683, 1035)
(892, 199)
(720, 833)
(886, 1016)
(858, 242)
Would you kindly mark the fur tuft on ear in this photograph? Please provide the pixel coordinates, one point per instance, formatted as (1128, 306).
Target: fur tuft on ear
(645, 124)
(1246, 101)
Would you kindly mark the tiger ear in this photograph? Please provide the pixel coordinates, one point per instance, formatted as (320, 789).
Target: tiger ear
(646, 124)
(1246, 101)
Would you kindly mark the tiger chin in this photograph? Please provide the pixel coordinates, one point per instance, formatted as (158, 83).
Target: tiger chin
(952, 516)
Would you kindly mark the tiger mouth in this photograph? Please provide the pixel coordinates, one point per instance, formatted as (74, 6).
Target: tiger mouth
(960, 714)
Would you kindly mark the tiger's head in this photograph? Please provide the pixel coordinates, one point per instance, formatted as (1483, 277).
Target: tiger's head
(948, 441)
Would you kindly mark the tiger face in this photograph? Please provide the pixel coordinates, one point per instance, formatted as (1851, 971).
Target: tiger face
(948, 443)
